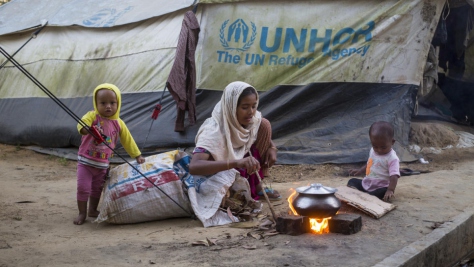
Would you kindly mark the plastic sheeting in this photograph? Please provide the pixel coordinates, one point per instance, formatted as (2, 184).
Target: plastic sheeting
(353, 41)
(322, 117)
(86, 13)
(469, 60)
(461, 96)
(317, 123)
(72, 61)
(299, 42)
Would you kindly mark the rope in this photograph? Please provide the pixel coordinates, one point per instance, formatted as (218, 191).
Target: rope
(154, 116)
(442, 13)
(33, 35)
(79, 120)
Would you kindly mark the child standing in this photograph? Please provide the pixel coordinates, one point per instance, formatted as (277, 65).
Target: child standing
(93, 157)
(382, 168)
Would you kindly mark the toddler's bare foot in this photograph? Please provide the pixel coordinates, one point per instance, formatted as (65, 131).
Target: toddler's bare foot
(93, 213)
(81, 218)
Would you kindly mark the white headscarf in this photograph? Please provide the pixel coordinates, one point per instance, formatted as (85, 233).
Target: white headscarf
(222, 134)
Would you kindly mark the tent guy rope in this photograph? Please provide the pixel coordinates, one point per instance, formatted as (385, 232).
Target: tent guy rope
(33, 35)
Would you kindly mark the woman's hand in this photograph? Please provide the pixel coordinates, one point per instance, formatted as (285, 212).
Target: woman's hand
(251, 164)
(271, 157)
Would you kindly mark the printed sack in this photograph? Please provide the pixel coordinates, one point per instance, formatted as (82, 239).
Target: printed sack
(128, 197)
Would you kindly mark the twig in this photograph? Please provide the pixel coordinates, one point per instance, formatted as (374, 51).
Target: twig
(266, 197)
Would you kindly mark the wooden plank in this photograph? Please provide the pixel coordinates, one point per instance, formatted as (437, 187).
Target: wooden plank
(369, 204)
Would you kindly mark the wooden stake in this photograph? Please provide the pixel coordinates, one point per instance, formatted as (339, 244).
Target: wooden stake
(266, 197)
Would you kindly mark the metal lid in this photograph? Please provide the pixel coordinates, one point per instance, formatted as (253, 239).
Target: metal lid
(316, 189)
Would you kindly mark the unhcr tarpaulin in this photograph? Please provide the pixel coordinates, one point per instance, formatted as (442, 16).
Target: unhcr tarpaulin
(70, 60)
(320, 109)
(331, 41)
(85, 13)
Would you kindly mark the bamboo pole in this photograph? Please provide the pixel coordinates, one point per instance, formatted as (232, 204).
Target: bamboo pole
(266, 197)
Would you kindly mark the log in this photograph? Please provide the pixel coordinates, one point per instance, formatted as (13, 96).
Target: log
(345, 224)
(293, 225)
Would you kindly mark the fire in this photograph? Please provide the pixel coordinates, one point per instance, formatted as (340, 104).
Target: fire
(319, 226)
(290, 201)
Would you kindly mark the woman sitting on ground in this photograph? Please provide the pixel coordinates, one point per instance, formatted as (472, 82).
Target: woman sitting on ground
(236, 136)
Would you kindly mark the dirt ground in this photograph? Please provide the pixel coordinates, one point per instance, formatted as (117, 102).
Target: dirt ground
(37, 207)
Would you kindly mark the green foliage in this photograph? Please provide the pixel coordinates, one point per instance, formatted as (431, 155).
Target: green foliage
(63, 161)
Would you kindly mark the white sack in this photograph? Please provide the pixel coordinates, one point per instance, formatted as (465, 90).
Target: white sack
(128, 197)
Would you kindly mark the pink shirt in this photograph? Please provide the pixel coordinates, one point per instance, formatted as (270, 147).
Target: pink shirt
(97, 154)
(379, 169)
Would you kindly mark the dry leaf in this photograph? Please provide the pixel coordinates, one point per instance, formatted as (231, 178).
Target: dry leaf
(250, 247)
(266, 222)
(245, 225)
(256, 236)
(212, 241)
(201, 243)
(155, 232)
(271, 233)
(230, 214)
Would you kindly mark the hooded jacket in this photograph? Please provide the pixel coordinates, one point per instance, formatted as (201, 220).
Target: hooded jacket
(97, 154)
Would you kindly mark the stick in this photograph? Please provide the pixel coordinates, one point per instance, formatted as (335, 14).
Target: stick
(266, 197)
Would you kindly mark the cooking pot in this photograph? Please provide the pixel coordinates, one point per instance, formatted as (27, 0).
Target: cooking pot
(316, 201)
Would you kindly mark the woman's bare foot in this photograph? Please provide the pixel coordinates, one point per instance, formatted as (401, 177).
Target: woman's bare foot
(81, 218)
(271, 193)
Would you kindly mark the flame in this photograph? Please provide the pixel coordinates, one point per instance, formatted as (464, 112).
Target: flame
(319, 226)
(290, 201)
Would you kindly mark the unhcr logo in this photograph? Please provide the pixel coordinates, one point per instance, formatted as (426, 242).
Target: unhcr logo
(237, 36)
(290, 46)
(105, 17)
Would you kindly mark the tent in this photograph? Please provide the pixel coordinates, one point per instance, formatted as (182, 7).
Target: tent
(325, 69)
